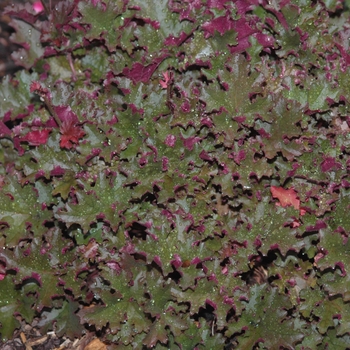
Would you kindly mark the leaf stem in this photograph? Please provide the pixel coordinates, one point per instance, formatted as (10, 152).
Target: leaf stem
(51, 109)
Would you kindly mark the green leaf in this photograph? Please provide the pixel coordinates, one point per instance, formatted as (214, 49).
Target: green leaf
(45, 158)
(64, 185)
(38, 263)
(192, 336)
(156, 333)
(265, 320)
(96, 61)
(60, 68)
(104, 21)
(159, 295)
(210, 341)
(235, 101)
(339, 213)
(105, 197)
(121, 303)
(331, 313)
(334, 282)
(64, 318)
(319, 90)
(169, 24)
(294, 275)
(14, 92)
(332, 340)
(334, 250)
(26, 33)
(289, 42)
(281, 127)
(21, 212)
(271, 225)
(198, 49)
(10, 301)
(312, 340)
(163, 212)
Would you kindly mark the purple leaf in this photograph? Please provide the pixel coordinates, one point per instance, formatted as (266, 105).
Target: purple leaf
(140, 73)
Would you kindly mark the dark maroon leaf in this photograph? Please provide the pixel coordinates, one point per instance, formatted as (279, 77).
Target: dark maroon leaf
(141, 73)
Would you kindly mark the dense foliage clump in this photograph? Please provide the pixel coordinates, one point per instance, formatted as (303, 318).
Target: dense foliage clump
(175, 174)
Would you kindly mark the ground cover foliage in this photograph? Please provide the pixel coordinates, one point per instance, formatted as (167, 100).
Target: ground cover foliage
(174, 174)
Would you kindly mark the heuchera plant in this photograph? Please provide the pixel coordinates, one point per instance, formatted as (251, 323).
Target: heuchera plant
(174, 174)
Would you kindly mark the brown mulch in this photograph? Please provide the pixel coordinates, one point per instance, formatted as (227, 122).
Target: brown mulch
(28, 337)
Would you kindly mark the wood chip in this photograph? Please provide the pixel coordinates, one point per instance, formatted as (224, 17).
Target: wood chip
(24, 341)
(38, 341)
(64, 345)
(96, 344)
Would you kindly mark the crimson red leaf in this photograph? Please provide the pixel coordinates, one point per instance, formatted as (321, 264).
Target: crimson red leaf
(70, 134)
(37, 137)
(37, 88)
(286, 197)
